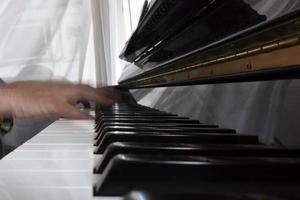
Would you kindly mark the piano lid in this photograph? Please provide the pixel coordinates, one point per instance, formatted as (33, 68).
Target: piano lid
(172, 30)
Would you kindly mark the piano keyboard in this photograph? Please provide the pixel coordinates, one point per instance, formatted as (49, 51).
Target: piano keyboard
(148, 150)
(142, 153)
(56, 164)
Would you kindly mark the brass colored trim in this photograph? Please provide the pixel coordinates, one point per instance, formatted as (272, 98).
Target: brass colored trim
(253, 51)
(279, 34)
(277, 55)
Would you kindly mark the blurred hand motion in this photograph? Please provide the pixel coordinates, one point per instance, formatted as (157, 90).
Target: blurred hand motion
(51, 99)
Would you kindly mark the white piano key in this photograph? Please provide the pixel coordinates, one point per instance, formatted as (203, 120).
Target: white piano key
(82, 135)
(73, 123)
(61, 139)
(47, 165)
(46, 179)
(55, 164)
(47, 154)
(57, 147)
(49, 193)
(62, 131)
(52, 155)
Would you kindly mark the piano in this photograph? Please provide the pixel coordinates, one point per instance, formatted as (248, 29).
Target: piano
(135, 152)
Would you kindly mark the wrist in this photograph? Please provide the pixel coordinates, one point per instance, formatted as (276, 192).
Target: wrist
(6, 120)
(5, 101)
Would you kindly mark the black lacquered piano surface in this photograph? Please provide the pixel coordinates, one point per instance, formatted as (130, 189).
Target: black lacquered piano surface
(161, 154)
(173, 29)
(160, 158)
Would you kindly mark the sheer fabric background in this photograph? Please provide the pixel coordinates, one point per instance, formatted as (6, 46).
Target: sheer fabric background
(43, 40)
(113, 21)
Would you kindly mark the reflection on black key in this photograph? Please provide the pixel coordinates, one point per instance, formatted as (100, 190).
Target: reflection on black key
(155, 137)
(135, 113)
(149, 118)
(129, 114)
(158, 125)
(161, 130)
(142, 195)
(147, 121)
(190, 149)
(144, 117)
(127, 172)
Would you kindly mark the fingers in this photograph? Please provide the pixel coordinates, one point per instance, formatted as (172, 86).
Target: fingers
(38, 99)
(102, 96)
(70, 112)
(110, 92)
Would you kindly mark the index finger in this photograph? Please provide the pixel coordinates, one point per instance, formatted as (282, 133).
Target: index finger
(92, 94)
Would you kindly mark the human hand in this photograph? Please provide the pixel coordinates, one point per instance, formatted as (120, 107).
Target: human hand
(50, 99)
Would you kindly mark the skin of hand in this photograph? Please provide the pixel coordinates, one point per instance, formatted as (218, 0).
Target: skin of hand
(51, 99)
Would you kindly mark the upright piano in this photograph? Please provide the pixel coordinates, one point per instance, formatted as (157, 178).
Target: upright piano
(142, 153)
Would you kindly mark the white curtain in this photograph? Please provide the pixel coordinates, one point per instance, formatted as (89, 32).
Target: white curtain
(45, 39)
(114, 21)
(108, 35)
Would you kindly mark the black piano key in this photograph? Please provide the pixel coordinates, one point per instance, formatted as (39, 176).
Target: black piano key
(184, 125)
(174, 195)
(126, 107)
(147, 121)
(127, 172)
(149, 118)
(171, 130)
(133, 114)
(129, 114)
(131, 109)
(159, 125)
(167, 129)
(156, 137)
(144, 117)
(190, 149)
(126, 104)
(103, 112)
